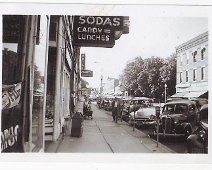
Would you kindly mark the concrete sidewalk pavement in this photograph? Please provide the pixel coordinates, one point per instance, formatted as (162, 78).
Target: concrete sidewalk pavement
(102, 135)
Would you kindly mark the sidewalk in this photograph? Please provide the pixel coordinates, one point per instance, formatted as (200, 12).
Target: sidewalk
(102, 135)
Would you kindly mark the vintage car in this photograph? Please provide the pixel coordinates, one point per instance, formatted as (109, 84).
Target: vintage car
(143, 117)
(197, 142)
(134, 104)
(178, 118)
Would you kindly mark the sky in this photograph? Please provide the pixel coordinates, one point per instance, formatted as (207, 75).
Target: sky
(150, 35)
(154, 30)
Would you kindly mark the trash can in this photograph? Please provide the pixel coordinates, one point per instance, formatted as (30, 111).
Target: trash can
(77, 125)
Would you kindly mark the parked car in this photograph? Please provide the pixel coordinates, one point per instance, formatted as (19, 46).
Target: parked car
(143, 117)
(137, 102)
(178, 118)
(198, 141)
(125, 108)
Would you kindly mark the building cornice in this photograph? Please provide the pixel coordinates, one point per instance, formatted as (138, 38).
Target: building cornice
(192, 43)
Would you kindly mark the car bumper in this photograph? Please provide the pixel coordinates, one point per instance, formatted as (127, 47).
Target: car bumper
(143, 122)
(167, 134)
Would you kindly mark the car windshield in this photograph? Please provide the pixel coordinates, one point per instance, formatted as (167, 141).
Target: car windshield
(204, 116)
(175, 108)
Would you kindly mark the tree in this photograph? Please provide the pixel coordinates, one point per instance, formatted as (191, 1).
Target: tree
(168, 74)
(147, 77)
(129, 78)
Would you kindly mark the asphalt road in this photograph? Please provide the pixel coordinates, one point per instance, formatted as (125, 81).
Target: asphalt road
(176, 144)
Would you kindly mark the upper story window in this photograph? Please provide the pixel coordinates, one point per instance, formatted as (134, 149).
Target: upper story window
(181, 60)
(181, 80)
(194, 74)
(203, 73)
(187, 59)
(203, 53)
(186, 76)
(194, 54)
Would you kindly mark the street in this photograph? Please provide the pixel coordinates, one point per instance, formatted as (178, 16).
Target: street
(102, 135)
(176, 144)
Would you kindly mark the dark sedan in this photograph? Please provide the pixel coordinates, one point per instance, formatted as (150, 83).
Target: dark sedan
(198, 141)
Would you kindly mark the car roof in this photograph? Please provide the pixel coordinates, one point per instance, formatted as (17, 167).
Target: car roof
(141, 98)
(181, 102)
(205, 106)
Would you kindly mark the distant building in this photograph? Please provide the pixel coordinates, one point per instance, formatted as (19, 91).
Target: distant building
(109, 85)
(192, 67)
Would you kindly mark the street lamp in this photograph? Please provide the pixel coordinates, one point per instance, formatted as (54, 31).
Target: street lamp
(101, 88)
(165, 85)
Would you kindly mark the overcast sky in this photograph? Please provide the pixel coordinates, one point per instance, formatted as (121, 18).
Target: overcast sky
(154, 31)
(150, 35)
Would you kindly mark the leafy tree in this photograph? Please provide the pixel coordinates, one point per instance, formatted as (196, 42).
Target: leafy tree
(147, 77)
(168, 74)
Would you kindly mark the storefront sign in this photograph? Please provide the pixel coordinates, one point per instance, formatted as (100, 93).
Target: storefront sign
(82, 61)
(86, 73)
(96, 31)
(11, 95)
(9, 137)
(12, 119)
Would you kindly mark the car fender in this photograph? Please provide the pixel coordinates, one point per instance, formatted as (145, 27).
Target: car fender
(186, 125)
(193, 144)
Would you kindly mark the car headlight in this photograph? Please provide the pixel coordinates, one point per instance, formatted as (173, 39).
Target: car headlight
(152, 117)
(176, 121)
(202, 134)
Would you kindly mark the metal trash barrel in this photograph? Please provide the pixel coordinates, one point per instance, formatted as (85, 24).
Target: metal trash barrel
(77, 125)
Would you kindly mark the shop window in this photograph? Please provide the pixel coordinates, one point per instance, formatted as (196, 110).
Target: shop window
(12, 84)
(39, 93)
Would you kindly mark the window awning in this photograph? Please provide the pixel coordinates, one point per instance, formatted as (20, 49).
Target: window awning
(194, 94)
(179, 94)
(189, 94)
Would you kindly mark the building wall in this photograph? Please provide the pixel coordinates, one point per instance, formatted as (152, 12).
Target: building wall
(61, 73)
(186, 65)
(38, 62)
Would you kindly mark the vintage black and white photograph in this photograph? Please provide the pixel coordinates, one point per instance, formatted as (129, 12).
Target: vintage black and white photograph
(105, 79)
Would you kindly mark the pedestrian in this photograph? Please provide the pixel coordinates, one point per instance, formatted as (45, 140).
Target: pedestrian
(85, 106)
(115, 109)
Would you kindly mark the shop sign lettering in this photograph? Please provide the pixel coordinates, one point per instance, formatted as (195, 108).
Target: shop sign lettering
(11, 95)
(86, 73)
(82, 61)
(9, 137)
(96, 31)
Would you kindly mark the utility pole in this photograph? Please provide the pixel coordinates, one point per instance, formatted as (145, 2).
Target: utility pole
(101, 88)
(165, 91)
